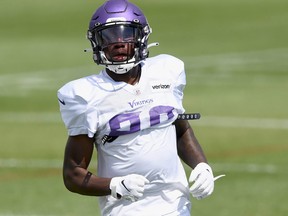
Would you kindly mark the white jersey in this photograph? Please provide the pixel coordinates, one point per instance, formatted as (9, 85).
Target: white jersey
(134, 132)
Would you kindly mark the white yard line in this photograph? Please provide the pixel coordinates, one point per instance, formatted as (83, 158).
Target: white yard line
(240, 58)
(11, 214)
(22, 83)
(217, 167)
(214, 121)
(30, 163)
(29, 117)
(246, 168)
(237, 122)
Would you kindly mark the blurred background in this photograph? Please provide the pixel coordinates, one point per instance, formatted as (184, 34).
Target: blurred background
(236, 57)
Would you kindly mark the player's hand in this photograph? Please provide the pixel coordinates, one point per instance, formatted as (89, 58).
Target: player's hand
(130, 187)
(203, 179)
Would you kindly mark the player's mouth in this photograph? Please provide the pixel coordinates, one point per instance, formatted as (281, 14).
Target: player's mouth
(120, 57)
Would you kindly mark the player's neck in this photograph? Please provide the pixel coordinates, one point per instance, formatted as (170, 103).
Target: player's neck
(131, 77)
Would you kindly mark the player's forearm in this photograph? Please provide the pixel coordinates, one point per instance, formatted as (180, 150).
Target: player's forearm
(79, 180)
(189, 149)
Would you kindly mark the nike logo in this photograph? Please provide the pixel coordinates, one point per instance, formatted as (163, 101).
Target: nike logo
(122, 182)
(61, 101)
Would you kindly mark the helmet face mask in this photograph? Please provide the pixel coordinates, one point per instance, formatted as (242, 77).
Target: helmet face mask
(119, 38)
(125, 36)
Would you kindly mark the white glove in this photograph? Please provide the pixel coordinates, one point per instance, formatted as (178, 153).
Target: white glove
(130, 187)
(203, 179)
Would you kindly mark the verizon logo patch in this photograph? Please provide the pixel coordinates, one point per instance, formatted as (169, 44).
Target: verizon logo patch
(158, 86)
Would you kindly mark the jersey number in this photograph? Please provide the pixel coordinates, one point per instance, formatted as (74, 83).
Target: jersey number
(132, 122)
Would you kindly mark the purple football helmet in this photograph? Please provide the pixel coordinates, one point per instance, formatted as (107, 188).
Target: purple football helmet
(114, 22)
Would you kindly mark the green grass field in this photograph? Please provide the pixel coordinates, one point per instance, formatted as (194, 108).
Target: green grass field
(236, 55)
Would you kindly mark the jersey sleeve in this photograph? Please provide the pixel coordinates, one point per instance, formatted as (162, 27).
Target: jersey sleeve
(172, 70)
(177, 68)
(179, 89)
(75, 112)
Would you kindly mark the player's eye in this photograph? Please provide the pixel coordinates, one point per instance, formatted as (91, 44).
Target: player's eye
(117, 34)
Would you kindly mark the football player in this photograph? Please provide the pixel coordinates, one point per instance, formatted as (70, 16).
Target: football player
(129, 112)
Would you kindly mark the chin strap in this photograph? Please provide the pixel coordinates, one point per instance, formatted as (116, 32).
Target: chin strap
(88, 50)
(153, 44)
